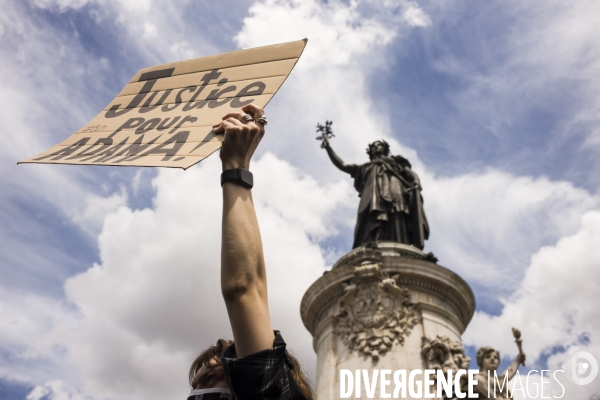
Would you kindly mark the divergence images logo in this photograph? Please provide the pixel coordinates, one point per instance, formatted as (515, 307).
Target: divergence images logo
(580, 367)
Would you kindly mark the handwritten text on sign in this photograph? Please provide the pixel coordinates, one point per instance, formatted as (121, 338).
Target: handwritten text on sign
(164, 117)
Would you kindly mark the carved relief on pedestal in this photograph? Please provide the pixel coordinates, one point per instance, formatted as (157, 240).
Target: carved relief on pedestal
(444, 354)
(374, 312)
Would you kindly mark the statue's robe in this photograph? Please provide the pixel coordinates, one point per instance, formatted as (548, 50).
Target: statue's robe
(390, 208)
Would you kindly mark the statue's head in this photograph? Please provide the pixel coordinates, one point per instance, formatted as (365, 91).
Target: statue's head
(488, 358)
(378, 148)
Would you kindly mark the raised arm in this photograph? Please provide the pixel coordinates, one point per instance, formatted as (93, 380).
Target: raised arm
(243, 275)
(513, 367)
(337, 161)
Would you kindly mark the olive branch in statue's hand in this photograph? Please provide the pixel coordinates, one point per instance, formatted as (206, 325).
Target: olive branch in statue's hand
(326, 133)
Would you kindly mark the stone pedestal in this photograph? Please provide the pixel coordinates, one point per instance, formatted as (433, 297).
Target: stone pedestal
(385, 307)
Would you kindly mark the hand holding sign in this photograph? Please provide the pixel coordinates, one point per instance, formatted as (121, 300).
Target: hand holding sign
(241, 138)
(164, 116)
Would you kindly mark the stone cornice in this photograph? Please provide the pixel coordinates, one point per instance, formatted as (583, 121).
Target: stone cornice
(443, 288)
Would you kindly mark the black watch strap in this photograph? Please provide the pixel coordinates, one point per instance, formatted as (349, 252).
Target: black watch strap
(239, 175)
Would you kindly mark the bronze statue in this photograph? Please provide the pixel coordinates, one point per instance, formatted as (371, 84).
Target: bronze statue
(391, 205)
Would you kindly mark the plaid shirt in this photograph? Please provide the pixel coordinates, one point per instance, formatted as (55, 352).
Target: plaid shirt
(266, 375)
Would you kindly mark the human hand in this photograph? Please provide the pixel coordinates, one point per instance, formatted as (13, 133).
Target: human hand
(240, 139)
(324, 143)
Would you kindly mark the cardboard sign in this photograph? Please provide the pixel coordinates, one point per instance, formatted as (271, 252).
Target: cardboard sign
(164, 116)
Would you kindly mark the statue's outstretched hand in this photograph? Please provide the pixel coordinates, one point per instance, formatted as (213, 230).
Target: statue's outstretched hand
(521, 358)
(241, 136)
(325, 143)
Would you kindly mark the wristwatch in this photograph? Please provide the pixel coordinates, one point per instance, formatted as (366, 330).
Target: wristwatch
(240, 175)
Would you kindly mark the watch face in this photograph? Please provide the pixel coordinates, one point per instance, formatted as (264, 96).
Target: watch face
(246, 177)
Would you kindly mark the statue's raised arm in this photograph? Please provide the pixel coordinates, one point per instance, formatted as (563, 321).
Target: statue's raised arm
(325, 134)
(336, 160)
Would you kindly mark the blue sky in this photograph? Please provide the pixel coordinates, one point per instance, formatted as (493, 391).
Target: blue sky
(494, 103)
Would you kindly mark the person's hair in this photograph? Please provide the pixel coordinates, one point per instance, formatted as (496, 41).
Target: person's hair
(210, 353)
(386, 148)
(484, 351)
(214, 353)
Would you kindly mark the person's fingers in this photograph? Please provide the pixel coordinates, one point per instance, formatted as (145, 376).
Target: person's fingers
(233, 121)
(218, 128)
(254, 110)
(256, 127)
(231, 124)
(257, 112)
(235, 115)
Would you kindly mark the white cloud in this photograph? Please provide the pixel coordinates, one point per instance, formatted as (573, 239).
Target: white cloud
(337, 31)
(36, 119)
(54, 390)
(62, 5)
(486, 226)
(543, 58)
(30, 326)
(136, 181)
(157, 29)
(96, 208)
(415, 16)
(554, 306)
